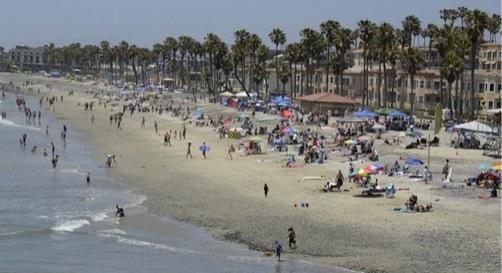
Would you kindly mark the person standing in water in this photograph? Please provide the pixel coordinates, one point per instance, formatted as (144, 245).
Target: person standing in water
(291, 238)
(53, 149)
(47, 130)
(278, 250)
(88, 178)
(55, 161)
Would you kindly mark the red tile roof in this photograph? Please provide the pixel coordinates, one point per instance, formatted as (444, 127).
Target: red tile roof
(327, 98)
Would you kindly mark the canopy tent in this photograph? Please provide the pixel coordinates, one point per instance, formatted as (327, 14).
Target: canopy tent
(287, 113)
(475, 126)
(226, 94)
(385, 111)
(397, 114)
(414, 162)
(351, 119)
(243, 94)
(365, 114)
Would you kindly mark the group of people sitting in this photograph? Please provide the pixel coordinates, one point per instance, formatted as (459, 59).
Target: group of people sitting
(412, 204)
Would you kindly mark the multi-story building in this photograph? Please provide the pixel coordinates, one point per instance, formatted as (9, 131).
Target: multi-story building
(429, 87)
(24, 55)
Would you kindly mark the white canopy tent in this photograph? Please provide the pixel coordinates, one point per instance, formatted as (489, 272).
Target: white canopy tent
(475, 126)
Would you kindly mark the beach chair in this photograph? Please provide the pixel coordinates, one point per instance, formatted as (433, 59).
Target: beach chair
(447, 181)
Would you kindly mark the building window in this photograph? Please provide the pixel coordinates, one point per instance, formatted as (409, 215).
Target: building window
(371, 82)
(483, 66)
(436, 85)
(468, 86)
(492, 87)
(489, 55)
(353, 81)
(481, 87)
(428, 84)
(421, 84)
(490, 105)
(331, 90)
(331, 79)
(498, 66)
(498, 104)
(499, 87)
(420, 99)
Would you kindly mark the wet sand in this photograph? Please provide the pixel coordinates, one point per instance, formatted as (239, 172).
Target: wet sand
(462, 234)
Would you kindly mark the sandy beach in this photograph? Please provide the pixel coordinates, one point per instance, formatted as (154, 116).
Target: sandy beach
(461, 234)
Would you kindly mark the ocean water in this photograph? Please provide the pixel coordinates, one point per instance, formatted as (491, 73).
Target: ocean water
(52, 221)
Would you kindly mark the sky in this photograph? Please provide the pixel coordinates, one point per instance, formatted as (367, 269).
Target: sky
(145, 22)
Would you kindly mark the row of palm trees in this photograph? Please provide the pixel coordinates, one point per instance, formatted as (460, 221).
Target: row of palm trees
(388, 53)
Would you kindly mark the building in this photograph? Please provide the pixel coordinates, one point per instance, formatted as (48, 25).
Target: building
(429, 87)
(24, 55)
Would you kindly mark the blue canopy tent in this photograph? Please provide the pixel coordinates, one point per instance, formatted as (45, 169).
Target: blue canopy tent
(365, 114)
(414, 162)
(282, 101)
(199, 113)
(398, 114)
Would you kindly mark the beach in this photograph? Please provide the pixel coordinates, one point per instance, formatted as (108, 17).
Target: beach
(461, 234)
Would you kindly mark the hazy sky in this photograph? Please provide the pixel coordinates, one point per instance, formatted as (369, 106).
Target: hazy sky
(145, 22)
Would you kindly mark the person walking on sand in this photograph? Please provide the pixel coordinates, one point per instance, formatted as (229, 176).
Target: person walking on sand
(265, 190)
(143, 122)
(156, 127)
(291, 238)
(189, 153)
(446, 168)
(88, 178)
(53, 149)
(184, 131)
(92, 119)
(47, 130)
(278, 250)
(231, 149)
(204, 148)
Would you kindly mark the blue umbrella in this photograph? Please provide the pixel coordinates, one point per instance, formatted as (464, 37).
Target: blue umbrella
(365, 114)
(397, 114)
(414, 162)
(484, 166)
(378, 165)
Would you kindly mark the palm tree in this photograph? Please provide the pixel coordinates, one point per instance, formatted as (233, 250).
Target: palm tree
(328, 30)
(277, 37)
(451, 67)
(411, 60)
(284, 75)
(386, 37)
(429, 32)
(133, 52)
(442, 39)
(343, 41)
(494, 27)
(366, 31)
(476, 23)
(313, 45)
(411, 26)
(294, 56)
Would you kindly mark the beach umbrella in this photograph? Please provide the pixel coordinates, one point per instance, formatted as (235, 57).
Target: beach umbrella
(277, 141)
(256, 139)
(497, 166)
(484, 166)
(414, 162)
(287, 113)
(365, 114)
(371, 169)
(350, 142)
(378, 165)
(360, 172)
(289, 130)
(415, 134)
(402, 134)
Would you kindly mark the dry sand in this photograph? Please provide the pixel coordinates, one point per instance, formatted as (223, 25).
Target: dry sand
(462, 234)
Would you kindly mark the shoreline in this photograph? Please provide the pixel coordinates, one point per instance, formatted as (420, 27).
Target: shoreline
(342, 230)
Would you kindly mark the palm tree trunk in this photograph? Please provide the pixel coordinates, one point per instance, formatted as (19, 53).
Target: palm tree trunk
(385, 93)
(455, 105)
(461, 106)
(327, 69)
(472, 102)
(412, 93)
(277, 66)
(392, 87)
(379, 83)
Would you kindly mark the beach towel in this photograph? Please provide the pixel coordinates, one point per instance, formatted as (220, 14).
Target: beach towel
(403, 210)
